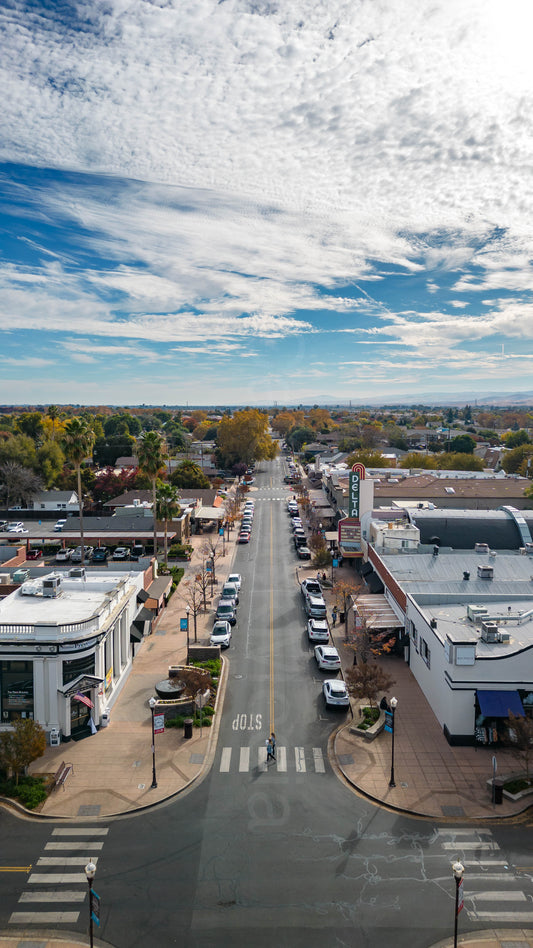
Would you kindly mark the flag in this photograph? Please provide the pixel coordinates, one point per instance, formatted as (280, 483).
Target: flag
(84, 699)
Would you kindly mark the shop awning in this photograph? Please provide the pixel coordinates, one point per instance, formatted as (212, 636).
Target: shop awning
(374, 583)
(498, 704)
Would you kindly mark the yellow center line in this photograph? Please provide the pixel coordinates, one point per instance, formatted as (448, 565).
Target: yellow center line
(271, 628)
(16, 868)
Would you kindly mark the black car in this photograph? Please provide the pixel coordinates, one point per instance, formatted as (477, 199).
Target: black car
(100, 554)
(137, 551)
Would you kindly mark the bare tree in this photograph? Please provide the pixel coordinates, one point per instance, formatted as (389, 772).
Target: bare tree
(211, 550)
(18, 483)
(368, 681)
(344, 592)
(192, 595)
(520, 738)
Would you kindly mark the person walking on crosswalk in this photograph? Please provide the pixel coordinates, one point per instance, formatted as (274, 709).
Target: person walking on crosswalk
(270, 750)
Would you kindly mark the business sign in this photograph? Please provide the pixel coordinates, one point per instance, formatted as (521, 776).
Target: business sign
(184, 625)
(350, 537)
(159, 723)
(357, 474)
(389, 722)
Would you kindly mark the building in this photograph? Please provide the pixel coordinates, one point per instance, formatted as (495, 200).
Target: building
(66, 647)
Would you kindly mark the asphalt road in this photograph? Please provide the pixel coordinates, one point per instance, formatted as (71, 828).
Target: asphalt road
(283, 855)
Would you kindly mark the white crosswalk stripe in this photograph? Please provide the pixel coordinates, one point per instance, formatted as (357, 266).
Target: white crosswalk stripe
(498, 883)
(55, 879)
(300, 761)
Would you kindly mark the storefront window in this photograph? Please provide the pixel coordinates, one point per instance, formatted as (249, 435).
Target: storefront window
(79, 666)
(16, 690)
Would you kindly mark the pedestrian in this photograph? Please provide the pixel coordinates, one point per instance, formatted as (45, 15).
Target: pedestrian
(334, 615)
(324, 577)
(273, 742)
(319, 576)
(270, 751)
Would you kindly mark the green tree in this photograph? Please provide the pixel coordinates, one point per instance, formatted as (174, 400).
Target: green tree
(122, 424)
(459, 462)
(53, 413)
(108, 449)
(49, 462)
(462, 444)
(368, 458)
(189, 474)
(167, 507)
(515, 438)
(19, 448)
(297, 437)
(151, 453)
(77, 443)
(30, 423)
(516, 461)
(424, 461)
(19, 747)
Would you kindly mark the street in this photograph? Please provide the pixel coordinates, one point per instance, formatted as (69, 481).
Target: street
(279, 853)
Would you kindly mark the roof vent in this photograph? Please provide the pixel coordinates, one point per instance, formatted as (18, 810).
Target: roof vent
(481, 548)
(435, 550)
(466, 575)
(433, 623)
(485, 572)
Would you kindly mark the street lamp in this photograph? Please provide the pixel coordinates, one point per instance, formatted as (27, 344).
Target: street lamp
(393, 704)
(152, 702)
(90, 870)
(458, 870)
(187, 610)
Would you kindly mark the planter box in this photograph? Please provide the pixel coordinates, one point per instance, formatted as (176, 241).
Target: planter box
(372, 732)
(512, 796)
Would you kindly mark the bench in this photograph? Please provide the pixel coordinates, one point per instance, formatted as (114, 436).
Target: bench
(62, 773)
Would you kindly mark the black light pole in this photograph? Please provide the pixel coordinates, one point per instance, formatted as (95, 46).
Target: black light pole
(90, 870)
(152, 702)
(187, 610)
(393, 704)
(458, 870)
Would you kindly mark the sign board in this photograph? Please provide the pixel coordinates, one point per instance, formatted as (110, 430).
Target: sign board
(353, 496)
(460, 896)
(184, 625)
(221, 531)
(350, 537)
(334, 563)
(389, 722)
(95, 907)
(159, 723)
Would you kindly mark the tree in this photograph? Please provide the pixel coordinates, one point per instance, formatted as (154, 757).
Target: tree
(19, 747)
(516, 461)
(245, 438)
(343, 593)
(520, 738)
(462, 444)
(285, 420)
(18, 484)
(211, 550)
(459, 462)
(367, 681)
(515, 438)
(189, 474)
(368, 458)
(414, 459)
(53, 414)
(195, 680)
(194, 598)
(77, 443)
(49, 462)
(19, 448)
(108, 449)
(122, 424)
(167, 507)
(30, 423)
(151, 454)
(318, 547)
(300, 436)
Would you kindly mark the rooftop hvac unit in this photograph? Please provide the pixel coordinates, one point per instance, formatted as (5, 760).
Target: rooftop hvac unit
(481, 548)
(136, 501)
(529, 547)
(492, 554)
(77, 572)
(485, 572)
(5, 579)
(474, 612)
(489, 632)
(21, 575)
(522, 551)
(51, 586)
(505, 637)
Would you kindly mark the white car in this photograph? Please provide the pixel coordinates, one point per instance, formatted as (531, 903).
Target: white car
(318, 630)
(17, 528)
(221, 634)
(311, 587)
(58, 526)
(335, 693)
(327, 658)
(234, 578)
(62, 556)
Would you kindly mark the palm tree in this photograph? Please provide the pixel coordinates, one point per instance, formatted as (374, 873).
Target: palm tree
(53, 414)
(77, 442)
(151, 454)
(167, 506)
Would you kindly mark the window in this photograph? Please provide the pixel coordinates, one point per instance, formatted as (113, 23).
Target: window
(78, 666)
(425, 652)
(17, 690)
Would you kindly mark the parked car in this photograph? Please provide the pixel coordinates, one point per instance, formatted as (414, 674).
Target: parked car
(58, 526)
(327, 658)
(63, 556)
(310, 586)
(100, 554)
(300, 539)
(121, 553)
(226, 610)
(315, 607)
(221, 634)
(75, 556)
(16, 526)
(244, 536)
(229, 591)
(318, 630)
(235, 578)
(34, 554)
(137, 551)
(335, 693)
(303, 552)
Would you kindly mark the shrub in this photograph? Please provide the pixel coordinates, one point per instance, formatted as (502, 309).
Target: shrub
(179, 551)
(31, 795)
(175, 722)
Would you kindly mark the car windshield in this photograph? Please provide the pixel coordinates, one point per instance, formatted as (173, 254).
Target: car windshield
(225, 610)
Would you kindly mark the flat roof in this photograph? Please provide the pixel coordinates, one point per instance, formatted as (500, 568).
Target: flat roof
(79, 599)
(452, 621)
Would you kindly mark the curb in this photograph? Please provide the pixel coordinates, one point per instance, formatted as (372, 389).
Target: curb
(490, 938)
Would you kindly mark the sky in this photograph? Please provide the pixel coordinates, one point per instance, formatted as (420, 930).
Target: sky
(239, 202)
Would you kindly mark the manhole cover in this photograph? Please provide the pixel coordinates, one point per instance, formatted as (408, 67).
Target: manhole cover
(89, 810)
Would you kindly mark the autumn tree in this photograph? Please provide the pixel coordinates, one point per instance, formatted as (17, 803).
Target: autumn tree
(285, 420)
(520, 738)
(343, 593)
(19, 747)
(244, 438)
(368, 458)
(367, 680)
(195, 680)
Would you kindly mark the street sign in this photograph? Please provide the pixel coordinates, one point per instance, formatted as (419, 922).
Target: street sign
(460, 896)
(221, 531)
(183, 625)
(159, 723)
(389, 722)
(95, 907)
(334, 563)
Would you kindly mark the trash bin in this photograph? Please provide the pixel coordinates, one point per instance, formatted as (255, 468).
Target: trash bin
(104, 720)
(55, 738)
(497, 791)
(187, 728)
(342, 617)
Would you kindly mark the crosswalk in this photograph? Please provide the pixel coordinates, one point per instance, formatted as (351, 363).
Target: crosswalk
(493, 890)
(296, 759)
(57, 885)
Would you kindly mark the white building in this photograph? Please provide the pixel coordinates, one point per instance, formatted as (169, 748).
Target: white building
(469, 617)
(66, 647)
(56, 500)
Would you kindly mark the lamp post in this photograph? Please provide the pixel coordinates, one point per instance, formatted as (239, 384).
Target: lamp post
(152, 702)
(90, 870)
(458, 871)
(187, 610)
(393, 704)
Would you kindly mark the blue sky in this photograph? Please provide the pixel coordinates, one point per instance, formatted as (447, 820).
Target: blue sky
(245, 202)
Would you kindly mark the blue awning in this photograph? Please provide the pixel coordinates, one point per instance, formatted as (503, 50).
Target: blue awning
(498, 704)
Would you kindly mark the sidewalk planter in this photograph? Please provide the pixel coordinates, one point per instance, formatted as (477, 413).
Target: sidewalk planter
(371, 732)
(512, 796)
